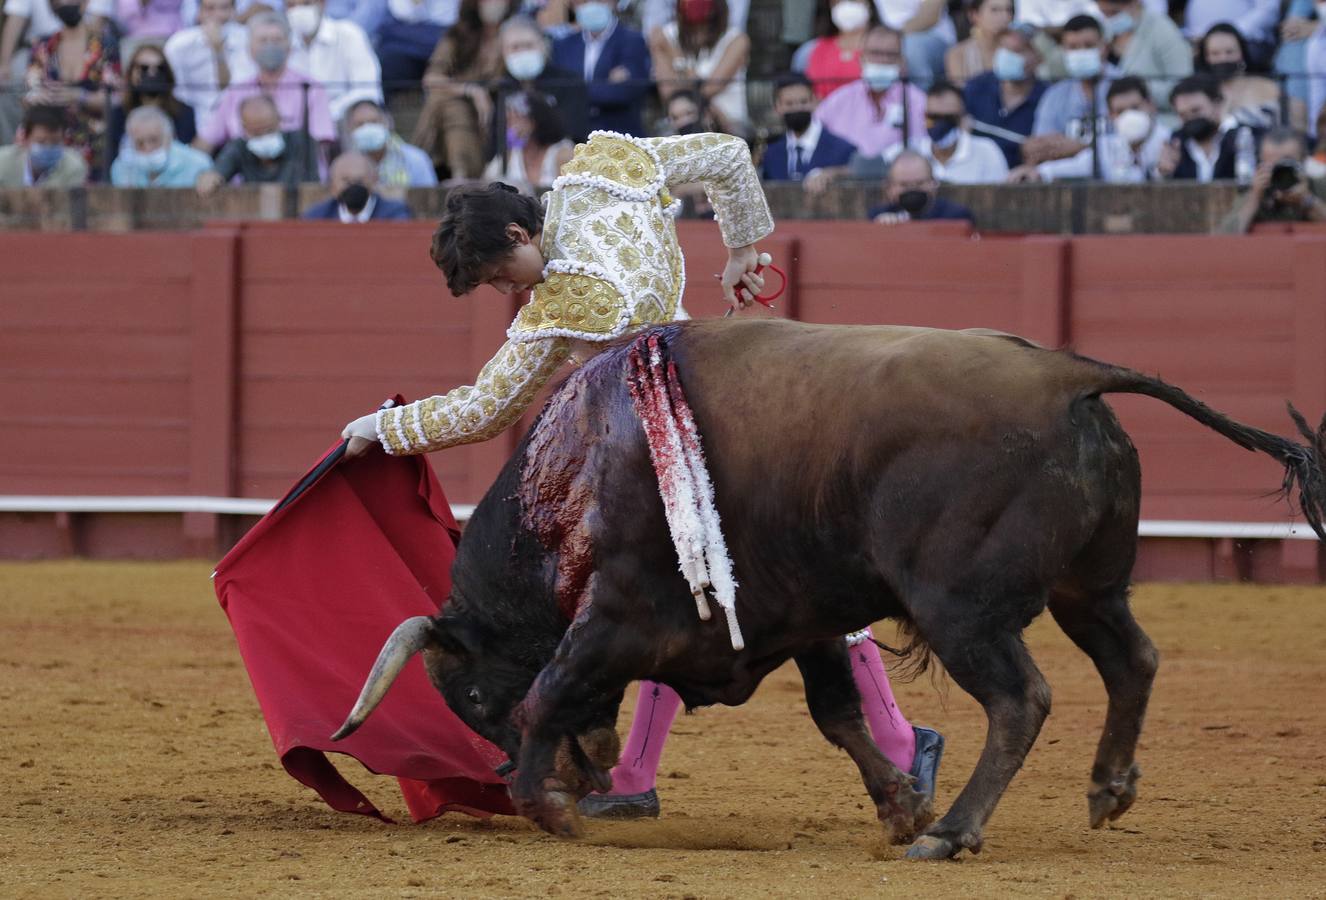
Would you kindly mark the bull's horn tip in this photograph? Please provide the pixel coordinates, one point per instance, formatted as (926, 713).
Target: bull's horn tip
(345, 730)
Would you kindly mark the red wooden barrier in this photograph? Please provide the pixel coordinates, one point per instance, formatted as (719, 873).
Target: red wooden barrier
(220, 362)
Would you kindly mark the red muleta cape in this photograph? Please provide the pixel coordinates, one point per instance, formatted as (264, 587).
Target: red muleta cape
(313, 591)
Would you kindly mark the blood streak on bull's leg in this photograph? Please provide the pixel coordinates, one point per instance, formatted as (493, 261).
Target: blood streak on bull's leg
(649, 396)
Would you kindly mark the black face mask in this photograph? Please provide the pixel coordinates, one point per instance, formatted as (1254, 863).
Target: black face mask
(798, 120)
(941, 127)
(69, 13)
(1226, 70)
(155, 84)
(1199, 129)
(913, 201)
(354, 198)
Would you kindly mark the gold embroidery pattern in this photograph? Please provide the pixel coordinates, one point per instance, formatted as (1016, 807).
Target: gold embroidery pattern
(722, 164)
(505, 388)
(615, 159)
(583, 304)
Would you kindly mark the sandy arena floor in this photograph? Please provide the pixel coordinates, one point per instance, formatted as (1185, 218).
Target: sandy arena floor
(136, 764)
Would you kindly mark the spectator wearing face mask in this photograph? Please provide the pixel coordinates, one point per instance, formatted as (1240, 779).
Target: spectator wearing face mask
(1222, 53)
(39, 158)
(206, 57)
(528, 68)
(927, 33)
(35, 19)
(700, 51)
(299, 98)
(1146, 44)
(1255, 19)
(1001, 104)
(1129, 152)
(913, 194)
(75, 69)
(1281, 191)
(955, 156)
(353, 200)
(835, 59)
(149, 81)
(870, 112)
(336, 52)
(536, 145)
(613, 61)
(1205, 147)
(367, 129)
(1071, 111)
(806, 151)
(458, 109)
(263, 154)
(153, 157)
(989, 19)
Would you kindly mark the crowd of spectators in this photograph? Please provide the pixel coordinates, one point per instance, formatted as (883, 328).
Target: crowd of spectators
(202, 94)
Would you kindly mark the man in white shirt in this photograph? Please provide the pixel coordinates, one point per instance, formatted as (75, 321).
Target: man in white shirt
(208, 56)
(1129, 153)
(956, 156)
(336, 52)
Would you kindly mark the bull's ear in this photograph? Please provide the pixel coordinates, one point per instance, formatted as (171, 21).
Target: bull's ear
(457, 636)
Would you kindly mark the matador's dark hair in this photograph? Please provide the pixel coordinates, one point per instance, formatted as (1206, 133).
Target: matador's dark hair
(472, 234)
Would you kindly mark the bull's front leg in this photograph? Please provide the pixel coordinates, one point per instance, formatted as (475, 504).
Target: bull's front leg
(568, 729)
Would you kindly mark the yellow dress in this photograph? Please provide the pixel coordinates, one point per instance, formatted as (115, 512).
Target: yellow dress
(614, 266)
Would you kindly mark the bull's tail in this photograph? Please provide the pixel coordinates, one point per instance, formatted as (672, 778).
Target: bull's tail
(1303, 462)
(409, 638)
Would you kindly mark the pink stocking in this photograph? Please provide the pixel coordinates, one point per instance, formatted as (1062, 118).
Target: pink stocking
(891, 730)
(655, 709)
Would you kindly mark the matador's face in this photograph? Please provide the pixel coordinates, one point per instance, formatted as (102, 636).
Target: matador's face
(522, 268)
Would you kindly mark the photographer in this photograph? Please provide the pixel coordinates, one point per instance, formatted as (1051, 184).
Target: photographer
(1280, 191)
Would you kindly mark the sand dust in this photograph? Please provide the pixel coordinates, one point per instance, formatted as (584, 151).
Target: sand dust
(136, 764)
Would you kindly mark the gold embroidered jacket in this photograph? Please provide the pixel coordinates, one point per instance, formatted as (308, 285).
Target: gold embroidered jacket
(613, 266)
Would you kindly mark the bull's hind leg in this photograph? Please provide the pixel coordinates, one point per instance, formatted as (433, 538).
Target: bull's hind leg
(835, 705)
(993, 666)
(1103, 626)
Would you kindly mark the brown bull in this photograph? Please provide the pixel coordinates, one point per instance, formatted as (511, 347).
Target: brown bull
(959, 482)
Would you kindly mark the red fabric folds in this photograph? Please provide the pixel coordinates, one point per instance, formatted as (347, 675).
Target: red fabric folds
(312, 592)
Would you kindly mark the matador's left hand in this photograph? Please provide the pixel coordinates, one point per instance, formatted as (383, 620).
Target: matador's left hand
(740, 270)
(362, 434)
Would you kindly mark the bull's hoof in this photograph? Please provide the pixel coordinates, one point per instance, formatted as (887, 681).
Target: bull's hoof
(1107, 802)
(906, 815)
(555, 812)
(930, 847)
(935, 846)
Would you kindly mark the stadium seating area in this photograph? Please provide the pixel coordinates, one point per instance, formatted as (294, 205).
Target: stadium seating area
(919, 99)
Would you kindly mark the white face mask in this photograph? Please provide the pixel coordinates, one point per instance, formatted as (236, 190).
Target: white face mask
(267, 146)
(1084, 63)
(880, 76)
(370, 137)
(1133, 125)
(155, 161)
(304, 20)
(525, 64)
(849, 15)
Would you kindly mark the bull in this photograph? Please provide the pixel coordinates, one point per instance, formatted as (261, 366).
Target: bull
(957, 482)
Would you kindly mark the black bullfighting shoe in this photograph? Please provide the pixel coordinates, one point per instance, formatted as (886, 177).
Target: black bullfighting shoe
(624, 806)
(925, 764)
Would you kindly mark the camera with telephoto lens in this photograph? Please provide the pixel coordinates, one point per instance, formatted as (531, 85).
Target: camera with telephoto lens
(1285, 175)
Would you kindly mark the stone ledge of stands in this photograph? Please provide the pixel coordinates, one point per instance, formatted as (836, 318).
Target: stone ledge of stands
(1061, 208)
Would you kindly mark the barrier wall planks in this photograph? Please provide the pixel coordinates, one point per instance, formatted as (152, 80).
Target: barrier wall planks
(222, 361)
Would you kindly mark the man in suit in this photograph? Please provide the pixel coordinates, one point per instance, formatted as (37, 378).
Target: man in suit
(525, 55)
(353, 177)
(807, 151)
(1205, 147)
(614, 61)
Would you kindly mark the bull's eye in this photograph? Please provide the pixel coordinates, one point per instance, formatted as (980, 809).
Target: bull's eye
(474, 697)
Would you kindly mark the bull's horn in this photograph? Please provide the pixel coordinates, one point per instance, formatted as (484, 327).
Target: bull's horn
(409, 638)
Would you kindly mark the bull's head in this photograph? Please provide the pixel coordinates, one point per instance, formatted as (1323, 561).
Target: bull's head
(479, 679)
